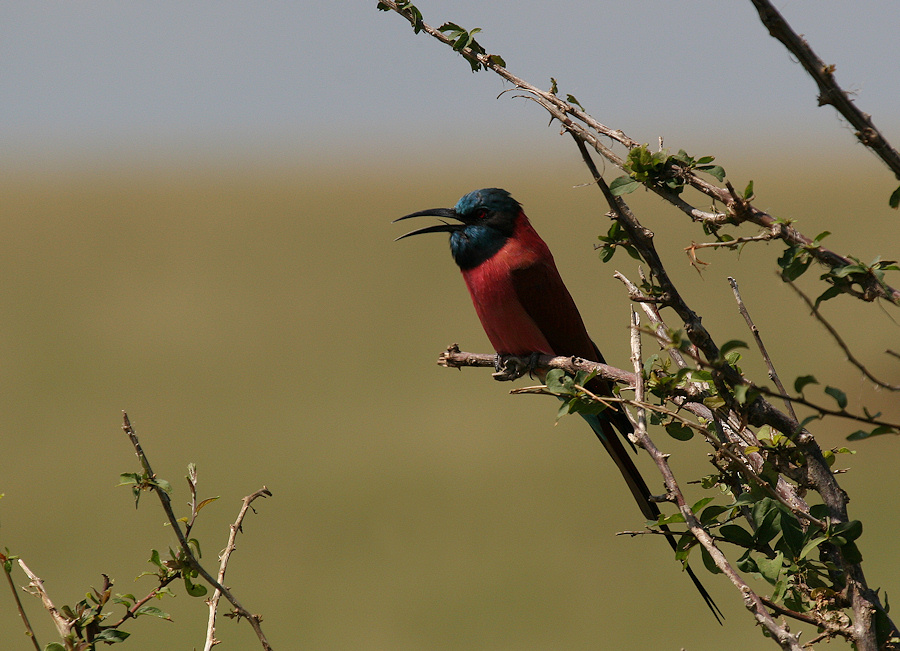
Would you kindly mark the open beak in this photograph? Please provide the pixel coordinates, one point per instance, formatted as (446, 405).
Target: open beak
(443, 227)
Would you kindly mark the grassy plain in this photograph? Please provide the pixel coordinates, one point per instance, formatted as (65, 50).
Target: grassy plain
(260, 322)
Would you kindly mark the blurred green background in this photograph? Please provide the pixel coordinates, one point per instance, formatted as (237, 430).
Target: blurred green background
(262, 324)
(217, 259)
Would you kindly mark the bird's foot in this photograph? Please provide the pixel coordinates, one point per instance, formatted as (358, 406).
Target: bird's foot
(511, 367)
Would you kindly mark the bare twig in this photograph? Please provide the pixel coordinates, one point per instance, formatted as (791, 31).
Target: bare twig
(640, 421)
(190, 559)
(63, 625)
(768, 236)
(223, 563)
(829, 90)
(29, 631)
(759, 342)
(840, 341)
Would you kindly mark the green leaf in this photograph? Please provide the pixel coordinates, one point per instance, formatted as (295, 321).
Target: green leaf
(679, 431)
(770, 568)
(701, 503)
(828, 294)
(746, 563)
(859, 435)
(803, 381)
(731, 345)
(743, 394)
(811, 545)
(769, 526)
(708, 561)
(792, 533)
(748, 191)
(839, 396)
(571, 100)
(54, 646)
(711, 513)
(623, 185)
(851, 553)
(794, 262)
(129, 479)
(554, 88)
(111, 636)
(894, 201)
(675, 518)
(737, 535)
(846, 532)
(193, 589)
(163, 485)
(152, 611)
(821, 236)
(716, 171)
(555, 381)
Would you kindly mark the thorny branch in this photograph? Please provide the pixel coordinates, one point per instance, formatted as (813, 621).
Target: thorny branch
(213, 601)
(759, 343)
(840, 341)
(829, 90)
(185, 545)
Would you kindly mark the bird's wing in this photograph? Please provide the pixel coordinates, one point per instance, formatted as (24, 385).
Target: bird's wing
(546, 300)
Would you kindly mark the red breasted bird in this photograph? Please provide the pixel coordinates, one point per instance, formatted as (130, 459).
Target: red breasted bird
(525, 309)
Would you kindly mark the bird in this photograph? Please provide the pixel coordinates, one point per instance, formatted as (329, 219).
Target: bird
(526, 309)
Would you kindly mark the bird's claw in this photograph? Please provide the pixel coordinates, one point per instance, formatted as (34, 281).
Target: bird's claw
(511, 367)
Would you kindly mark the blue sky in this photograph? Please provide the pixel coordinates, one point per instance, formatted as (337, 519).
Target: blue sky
(90, 78)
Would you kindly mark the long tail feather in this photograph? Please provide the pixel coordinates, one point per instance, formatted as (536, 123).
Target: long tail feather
(604, 430)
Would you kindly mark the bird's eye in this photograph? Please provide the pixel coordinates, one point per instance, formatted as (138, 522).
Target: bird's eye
(481, 213)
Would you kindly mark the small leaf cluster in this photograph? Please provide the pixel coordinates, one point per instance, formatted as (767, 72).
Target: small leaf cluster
(661, 169)
(856, 275)
(408, 10)
(840, 399)
(463, 40)
(570, 391)
(787, 552)
(851, 278)
(616, 238)
(85, 619)
(140, 482)
(177, 566)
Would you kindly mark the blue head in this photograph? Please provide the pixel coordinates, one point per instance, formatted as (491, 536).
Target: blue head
(488, 219)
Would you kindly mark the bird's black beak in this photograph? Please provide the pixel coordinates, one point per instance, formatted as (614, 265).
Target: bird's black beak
(443, 227)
